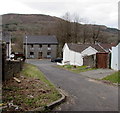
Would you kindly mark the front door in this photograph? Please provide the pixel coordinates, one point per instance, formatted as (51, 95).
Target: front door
(40, 55)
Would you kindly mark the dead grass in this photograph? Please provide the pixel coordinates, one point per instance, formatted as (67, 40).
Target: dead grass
(33, 91)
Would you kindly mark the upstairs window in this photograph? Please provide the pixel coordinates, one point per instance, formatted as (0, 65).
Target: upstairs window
(31, 45)
(49, 45)
(40, 46)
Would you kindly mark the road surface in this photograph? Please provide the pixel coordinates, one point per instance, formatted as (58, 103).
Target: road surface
(84, 94)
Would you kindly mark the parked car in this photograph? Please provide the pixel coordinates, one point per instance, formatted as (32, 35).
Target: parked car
(19, 56)
(57, 60)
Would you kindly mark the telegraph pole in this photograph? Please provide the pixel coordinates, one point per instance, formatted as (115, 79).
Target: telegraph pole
(26, 47)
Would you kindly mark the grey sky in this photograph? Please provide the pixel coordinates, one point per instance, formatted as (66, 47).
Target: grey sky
(103, 12)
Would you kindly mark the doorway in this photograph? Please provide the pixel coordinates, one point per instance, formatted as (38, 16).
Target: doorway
(40, 55)
(102, 60)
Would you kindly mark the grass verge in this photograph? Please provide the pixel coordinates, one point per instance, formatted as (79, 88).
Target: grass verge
(114, 78)
(76, 69)
(33, 91)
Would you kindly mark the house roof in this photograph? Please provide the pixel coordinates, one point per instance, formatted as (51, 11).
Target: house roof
(80, 47)
(77, 47)
(107, 46)
(40, 40)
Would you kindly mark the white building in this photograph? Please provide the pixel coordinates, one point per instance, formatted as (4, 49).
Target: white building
(74, 54)
(115, 57)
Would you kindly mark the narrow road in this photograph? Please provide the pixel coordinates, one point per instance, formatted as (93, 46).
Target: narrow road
(86, 94)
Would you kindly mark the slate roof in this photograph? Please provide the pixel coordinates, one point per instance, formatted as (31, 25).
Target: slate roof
(77, 47)
(80, 47)
(107, 46)
(40, 40)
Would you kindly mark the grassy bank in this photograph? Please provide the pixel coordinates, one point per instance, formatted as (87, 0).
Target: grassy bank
(32, 71)
(114, 78)
(76, 69)
(33, 91)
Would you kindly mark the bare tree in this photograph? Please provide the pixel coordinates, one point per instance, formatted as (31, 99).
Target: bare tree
(86, 31)
(67, 17)
(95, 33)
(63, 31)
(66, 26)
(76, 20)
(85, 35)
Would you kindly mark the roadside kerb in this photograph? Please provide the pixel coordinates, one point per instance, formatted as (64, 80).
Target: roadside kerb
(53, 104)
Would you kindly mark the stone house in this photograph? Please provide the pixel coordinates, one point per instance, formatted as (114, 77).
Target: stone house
(39, 47)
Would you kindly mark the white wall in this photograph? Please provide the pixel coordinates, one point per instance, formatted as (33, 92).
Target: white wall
(66, 53)
(10, 49)
(89, 51)
(74, 58)
(115, 57)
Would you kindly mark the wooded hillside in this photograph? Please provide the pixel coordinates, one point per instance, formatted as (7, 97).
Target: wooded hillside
(17, 25)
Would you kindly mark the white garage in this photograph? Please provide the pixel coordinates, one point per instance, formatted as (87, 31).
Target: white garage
(73, 54)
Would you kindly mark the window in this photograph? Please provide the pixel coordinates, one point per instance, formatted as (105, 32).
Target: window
(40, 46)
(49, 45)
(31, 54)
(31, 45)
(48, 54)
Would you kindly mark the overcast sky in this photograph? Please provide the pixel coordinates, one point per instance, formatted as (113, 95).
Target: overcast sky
(103, 12)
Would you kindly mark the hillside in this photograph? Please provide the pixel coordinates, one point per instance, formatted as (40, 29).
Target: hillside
(36, 24)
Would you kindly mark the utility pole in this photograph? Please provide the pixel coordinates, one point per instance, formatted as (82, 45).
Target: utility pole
(26, 47)
(10, 46)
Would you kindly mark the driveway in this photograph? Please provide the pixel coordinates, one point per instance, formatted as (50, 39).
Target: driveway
(84, 94)
(98, 73)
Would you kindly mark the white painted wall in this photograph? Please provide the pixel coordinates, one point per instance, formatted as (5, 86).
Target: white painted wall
(75, 58)
(115, 57)
(66, 53)
(89, 51)
(8, 51)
